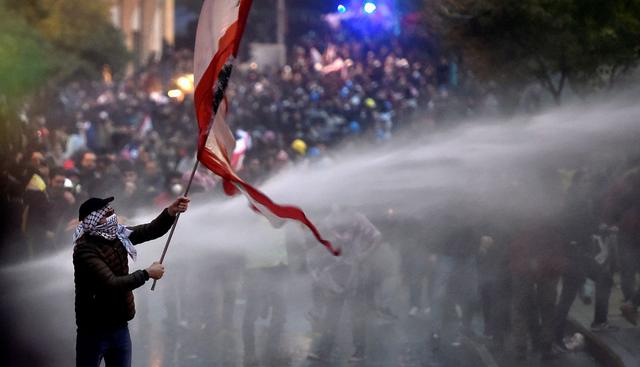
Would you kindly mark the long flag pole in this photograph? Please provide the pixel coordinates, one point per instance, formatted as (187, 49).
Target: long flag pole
(223, 81)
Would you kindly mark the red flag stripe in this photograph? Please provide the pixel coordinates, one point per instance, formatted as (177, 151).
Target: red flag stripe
(228, 45)
(216, 155)
(212, 162)
(203, 96)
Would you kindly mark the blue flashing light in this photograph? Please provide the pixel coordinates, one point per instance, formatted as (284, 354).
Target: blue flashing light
(342, 8)
(369, 7)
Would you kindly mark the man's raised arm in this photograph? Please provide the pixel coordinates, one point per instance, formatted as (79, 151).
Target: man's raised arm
(161, 225)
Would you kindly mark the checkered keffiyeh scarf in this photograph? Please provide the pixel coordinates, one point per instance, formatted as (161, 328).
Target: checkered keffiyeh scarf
(109, 230)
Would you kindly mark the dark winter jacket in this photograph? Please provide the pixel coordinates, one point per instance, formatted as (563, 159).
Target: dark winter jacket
(538, 251)
(104, 297)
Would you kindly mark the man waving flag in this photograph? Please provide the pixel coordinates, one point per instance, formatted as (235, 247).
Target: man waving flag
(220, 29)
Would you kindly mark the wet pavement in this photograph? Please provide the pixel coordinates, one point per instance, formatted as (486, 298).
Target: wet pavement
(622, 344)
(189, 332)
(392, 340)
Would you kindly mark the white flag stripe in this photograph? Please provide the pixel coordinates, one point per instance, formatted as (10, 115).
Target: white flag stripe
(275, 221)
(221, 131)
(215, 18)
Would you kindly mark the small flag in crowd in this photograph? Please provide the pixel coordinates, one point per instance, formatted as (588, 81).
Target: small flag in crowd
(145, 126)
(243, 143)
(220, 29)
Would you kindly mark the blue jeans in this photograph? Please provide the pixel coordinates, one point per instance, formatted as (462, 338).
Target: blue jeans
(113, 346)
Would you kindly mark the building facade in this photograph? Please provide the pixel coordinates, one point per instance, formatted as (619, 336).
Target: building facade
(147, 25)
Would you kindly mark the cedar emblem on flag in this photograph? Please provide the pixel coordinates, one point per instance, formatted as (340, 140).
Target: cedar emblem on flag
(220, 29)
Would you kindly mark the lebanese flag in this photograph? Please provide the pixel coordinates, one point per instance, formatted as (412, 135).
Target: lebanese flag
(220, 29)
(243, 144)
(145, 126)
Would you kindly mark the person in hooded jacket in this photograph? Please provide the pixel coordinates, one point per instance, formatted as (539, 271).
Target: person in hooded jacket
(343, 279)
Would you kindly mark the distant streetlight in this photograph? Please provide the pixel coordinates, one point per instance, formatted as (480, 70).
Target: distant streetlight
(175, 93)
(185, 83)
(369, 7)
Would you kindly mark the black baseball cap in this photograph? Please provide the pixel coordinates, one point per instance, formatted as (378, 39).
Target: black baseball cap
(92, 205)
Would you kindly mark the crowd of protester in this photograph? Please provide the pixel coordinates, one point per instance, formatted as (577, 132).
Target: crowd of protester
(129, 139)
(505, 281)
(522, 273)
